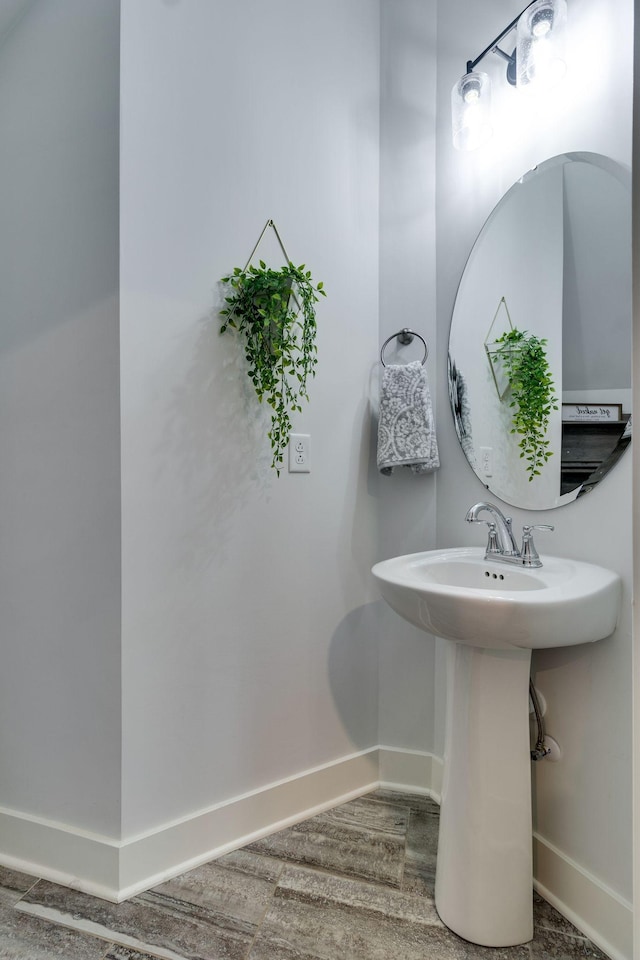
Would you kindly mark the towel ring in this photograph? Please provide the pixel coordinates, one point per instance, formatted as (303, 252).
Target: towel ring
(404, 336)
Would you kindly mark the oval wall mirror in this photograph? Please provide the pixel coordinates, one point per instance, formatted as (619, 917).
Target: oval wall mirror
(548, 276)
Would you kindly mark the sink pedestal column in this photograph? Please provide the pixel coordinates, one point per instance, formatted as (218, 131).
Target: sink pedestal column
(484, 867)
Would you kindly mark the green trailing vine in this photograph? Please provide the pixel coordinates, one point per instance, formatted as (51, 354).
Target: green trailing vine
(525, 362)
(274, 311)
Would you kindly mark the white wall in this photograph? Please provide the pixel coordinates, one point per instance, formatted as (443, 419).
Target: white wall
(59, 469)
(593, 195)
(249, 637)
(407, 503)
(588, 689)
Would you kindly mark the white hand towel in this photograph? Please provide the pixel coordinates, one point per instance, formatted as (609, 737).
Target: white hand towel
(406, 431)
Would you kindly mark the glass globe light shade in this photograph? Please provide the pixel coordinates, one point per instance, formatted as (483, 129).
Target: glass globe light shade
(541, 42)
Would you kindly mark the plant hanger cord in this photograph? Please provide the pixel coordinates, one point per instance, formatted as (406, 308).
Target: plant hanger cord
(269, 223)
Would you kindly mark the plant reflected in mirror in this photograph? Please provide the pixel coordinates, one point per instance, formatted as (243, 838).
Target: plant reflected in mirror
(532, 393)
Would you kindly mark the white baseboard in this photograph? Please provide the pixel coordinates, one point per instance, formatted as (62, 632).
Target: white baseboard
(177, 847)
(53, 851)
(116, 870)
(410, 770)
(598, 912)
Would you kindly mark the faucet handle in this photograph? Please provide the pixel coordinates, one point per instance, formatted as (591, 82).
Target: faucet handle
(493, 546)
(528, 552)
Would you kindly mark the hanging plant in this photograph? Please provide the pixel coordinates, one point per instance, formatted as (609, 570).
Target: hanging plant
(532, 394)
(274, 310)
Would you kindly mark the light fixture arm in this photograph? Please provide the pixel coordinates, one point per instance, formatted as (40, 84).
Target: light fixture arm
(505, 56)
(494, 48)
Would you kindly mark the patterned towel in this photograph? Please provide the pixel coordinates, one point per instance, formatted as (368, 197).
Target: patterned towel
(406, 431)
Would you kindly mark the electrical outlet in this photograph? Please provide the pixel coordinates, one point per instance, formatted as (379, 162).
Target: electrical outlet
(486, 459)
(299, 453)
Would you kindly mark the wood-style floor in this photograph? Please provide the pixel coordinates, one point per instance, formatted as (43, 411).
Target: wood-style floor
(355, 883)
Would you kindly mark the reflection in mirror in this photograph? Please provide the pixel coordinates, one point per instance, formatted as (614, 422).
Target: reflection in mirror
(543, 316)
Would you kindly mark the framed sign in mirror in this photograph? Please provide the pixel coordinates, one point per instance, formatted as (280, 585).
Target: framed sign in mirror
(591, 412)
(540, 340)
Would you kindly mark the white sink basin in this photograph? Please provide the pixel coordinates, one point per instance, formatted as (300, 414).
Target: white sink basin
(494, 615)
(458, 595)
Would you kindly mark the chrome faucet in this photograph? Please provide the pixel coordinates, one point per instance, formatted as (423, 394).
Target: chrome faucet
(501, 544)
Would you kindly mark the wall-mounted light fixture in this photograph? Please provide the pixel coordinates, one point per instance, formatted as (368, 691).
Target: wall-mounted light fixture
(537, 62)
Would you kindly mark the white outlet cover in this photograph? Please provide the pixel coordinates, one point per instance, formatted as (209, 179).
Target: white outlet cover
(299, 450)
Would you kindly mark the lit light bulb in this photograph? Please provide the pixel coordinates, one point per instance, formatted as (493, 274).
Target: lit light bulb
(470, 111)
(470, 87)
(542, 23)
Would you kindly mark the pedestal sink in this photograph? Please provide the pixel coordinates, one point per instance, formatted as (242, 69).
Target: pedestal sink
(494, 614)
